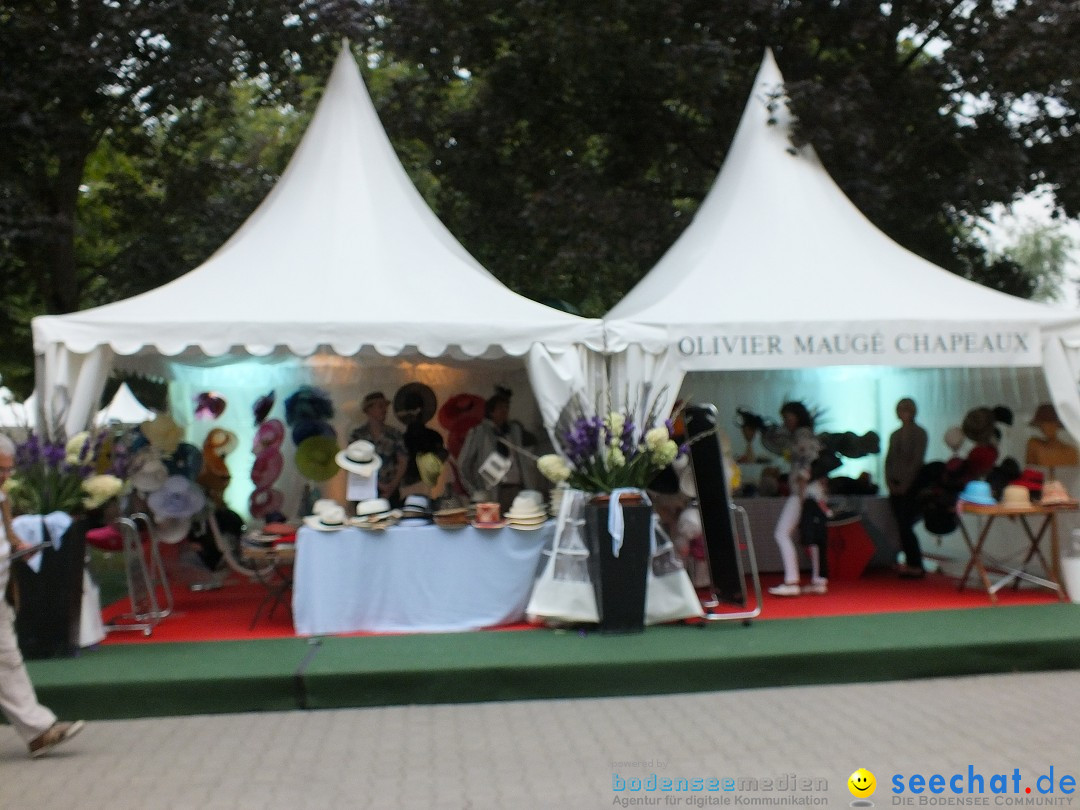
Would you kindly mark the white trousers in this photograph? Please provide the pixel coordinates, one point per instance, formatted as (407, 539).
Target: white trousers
(18, 701)
(786, 526)
(785, 533)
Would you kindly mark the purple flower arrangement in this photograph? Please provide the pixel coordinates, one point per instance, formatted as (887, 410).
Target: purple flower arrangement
(616, 451)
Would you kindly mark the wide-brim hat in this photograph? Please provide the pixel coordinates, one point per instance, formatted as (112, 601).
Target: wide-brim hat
(269, 436)
(1016, 495)
(162, 432)
(1045, 413)
(360, 458)
(978, 425)
(331, 519)
(526, 527)
(172, 530)
(209, 405)
(147, 471)
(1054, 492)
(220, 442)
(178, 497)
(462, 412)
(954, 438)
(372, 507)
(315, 458)
(186, 460)
(1031, 479)
(265, 501)
(306, 428)
(978, 492)
(416, 509)
(267, 468)
(262, 407)
(414, 401)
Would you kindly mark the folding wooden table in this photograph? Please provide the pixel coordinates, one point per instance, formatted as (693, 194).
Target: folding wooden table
(1045, 520)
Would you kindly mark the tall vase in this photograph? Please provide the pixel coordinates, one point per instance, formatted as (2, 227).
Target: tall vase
(619, 572)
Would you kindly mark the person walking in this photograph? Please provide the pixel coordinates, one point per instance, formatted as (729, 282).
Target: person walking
(36, 724)
(904, 459)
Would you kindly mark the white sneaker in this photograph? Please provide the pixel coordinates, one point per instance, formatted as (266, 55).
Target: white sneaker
(787, 589)
(817, 586)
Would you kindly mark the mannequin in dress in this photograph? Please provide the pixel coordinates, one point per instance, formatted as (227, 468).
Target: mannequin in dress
(1048, 450)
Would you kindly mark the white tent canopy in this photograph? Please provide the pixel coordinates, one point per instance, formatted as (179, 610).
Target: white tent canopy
(345, 258)
(124, 408)
(780, 270)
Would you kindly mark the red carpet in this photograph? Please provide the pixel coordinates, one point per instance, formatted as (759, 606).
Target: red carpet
(226, 614)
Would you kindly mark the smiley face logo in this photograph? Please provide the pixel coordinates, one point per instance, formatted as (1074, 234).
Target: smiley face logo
(862, 783)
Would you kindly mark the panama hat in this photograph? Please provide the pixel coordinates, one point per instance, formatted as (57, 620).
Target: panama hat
(414, 402)
(416, 510)
(1055, 494)
(372, 507)
(360, 458)
(1016, 495)
(269, 436)
(978, 492)
(315, 458)
(330, 519)
(267, 468)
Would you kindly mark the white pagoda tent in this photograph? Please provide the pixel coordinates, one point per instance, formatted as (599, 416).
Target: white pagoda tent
(343, 269)
(779, 270)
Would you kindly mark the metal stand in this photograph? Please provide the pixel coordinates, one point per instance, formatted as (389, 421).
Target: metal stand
(142, 579)
(746, 545)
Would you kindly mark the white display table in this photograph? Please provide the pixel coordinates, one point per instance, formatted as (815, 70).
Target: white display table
(413, 578)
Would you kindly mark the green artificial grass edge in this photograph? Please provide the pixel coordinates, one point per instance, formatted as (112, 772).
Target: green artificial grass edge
(272, 675)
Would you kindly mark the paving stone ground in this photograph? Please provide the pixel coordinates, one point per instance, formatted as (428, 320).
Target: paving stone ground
(785, 747)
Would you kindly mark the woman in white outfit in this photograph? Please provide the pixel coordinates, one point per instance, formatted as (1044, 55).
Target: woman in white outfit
(796, 436)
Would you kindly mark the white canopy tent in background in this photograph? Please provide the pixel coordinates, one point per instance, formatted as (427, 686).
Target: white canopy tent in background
(780, 271)
(343, 275)
(123, 409)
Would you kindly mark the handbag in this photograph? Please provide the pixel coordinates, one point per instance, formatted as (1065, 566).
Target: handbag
(563, 592)
(669, 593)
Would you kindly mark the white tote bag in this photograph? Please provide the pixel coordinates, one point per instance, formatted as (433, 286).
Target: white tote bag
(563, 592)
(669, 593)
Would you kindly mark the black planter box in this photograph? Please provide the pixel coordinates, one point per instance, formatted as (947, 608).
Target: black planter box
(50, 601)
(620, 581)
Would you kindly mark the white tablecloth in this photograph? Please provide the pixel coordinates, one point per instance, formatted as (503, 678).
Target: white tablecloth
(413, 578)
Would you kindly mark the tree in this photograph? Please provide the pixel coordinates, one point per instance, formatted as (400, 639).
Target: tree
(76, 74)
(591, 134)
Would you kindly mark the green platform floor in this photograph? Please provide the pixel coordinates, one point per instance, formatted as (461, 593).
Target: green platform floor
(127, 681)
